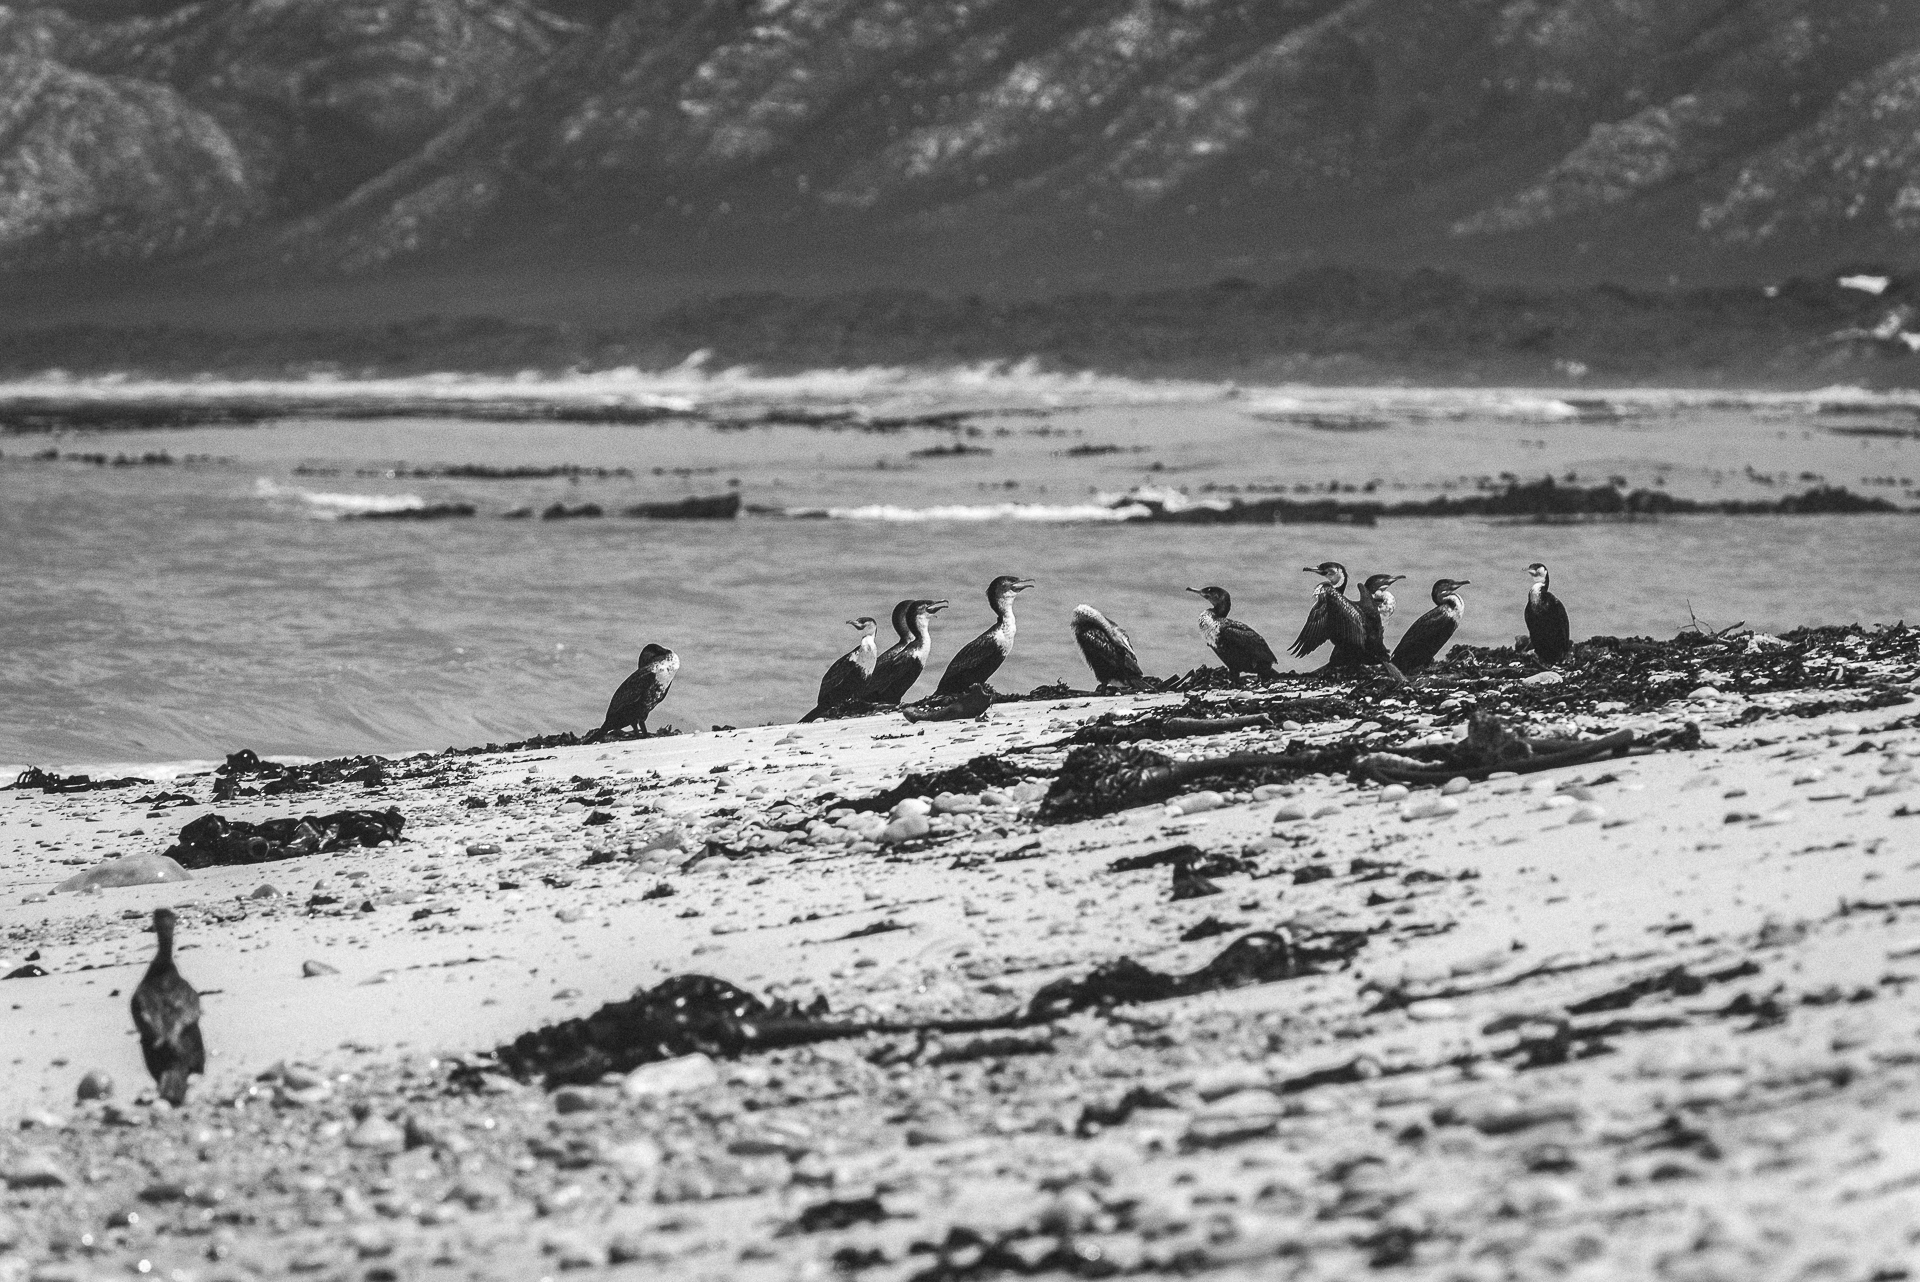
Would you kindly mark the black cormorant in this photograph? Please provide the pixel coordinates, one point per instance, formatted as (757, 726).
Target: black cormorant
(1105, 646)
(1432, 630)
(1376, 607)
(1547, 619)
(1239, 646)
(849, 672)
(166, 1011)
(981, 657)
(642, 692)
(1333, 618)
(895, 671)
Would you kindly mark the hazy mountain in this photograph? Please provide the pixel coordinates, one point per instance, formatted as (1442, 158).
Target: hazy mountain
(272, 139)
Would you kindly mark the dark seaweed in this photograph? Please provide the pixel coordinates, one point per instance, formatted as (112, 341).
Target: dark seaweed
(216, 841)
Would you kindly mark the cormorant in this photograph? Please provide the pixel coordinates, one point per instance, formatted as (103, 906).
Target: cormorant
(1105, 646)
(1547, 619)
(1432, 630)
(895, 671)
(1376, 607)
(1333, 618)
(981, 657)
(642, 692)
(849, 672)
(1239, 646)
(166, 1011)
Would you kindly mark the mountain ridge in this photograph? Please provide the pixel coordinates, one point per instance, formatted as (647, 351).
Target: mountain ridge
(240, 143)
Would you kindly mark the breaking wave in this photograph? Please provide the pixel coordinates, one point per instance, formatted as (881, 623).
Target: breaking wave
(1046, 513)
(326, 504)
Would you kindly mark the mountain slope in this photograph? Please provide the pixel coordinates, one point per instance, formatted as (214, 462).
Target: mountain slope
(351, 137)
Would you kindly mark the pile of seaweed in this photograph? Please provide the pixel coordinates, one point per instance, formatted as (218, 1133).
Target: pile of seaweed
(978, 775)
(1098, 780)
(697, 1013)
(1641, 673)
(215, 841)
(278, 778)
(428, 512)
(49, 781)
(1200, 716)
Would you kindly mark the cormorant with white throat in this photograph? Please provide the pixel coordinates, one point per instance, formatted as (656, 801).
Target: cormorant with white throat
(1376, 607)
(1105, 646)
(642, 692)
(166, 1013)
(1333, 618)
(1238, 646)
(981, 657)
(895, 671)
(1432, 630)
(1547, 619)
(849, 672)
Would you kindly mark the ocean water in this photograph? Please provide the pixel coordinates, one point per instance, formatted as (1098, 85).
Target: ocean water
(166, 613)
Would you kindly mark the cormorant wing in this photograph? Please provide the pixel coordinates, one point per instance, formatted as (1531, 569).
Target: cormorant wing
(1319, 627)
(1423, 640)
(893, 675)
(637, 696)
(1109, 652)
(842, 681)
(1244, 650)
(978, 659)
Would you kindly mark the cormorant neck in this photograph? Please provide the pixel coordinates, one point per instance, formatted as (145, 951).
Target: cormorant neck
(163, 956)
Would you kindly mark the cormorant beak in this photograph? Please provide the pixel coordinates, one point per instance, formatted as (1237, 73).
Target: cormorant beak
(1461, 583)
(1308, 569)
(1196, 591)
(853, 623)
(1022, 585)
(934, 607)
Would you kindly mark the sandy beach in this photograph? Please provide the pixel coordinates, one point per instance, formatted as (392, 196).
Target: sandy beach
(1645, 1016)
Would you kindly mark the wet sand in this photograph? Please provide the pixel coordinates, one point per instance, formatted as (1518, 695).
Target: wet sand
(1648, 1017)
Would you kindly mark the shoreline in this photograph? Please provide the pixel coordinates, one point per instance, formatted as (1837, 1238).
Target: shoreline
(1555, 980)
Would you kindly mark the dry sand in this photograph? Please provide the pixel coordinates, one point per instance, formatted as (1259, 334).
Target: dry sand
(1480, 1095)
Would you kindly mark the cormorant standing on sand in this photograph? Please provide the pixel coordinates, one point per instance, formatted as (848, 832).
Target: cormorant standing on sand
(1376, 607)
(1238, 646)
(895, 671)
(1432, 630)
(1105, 646)
(640, 693)
(1333, 618)
(981, 657)
(849, 672)
(166, 1011)
(1547, 619)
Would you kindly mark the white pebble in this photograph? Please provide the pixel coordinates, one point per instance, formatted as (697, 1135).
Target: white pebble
(1290, 812)
(1270, 791)
(911, 806)
(1455, 786)
(1430, 808)
(1198, 803)
(1587, 812)
(1547, 678)
(906, 828)
(1394, 792)
(1705, 694)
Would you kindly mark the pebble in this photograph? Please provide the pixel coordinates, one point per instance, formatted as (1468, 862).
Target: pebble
(578, 1099)
(1587, 812)
(918, 806)
(1290, 812)
(1435, 1008)
(377, 1134)
(1272, 791)
(266, 890)
(1547, 678)
(671, 1077)
(1557, 801)
(1331, 808)
(95, 1085)
(315, 969)
(35, 1169)
(126, 870)
(1394, 792)
(483, 848)
(1704, 694)
(1430, 808)
(906, 828)
(1455, 786)
(1198, 803)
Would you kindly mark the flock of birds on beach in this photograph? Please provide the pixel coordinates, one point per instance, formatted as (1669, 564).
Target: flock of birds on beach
(166, 1009)
(1355, 628)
